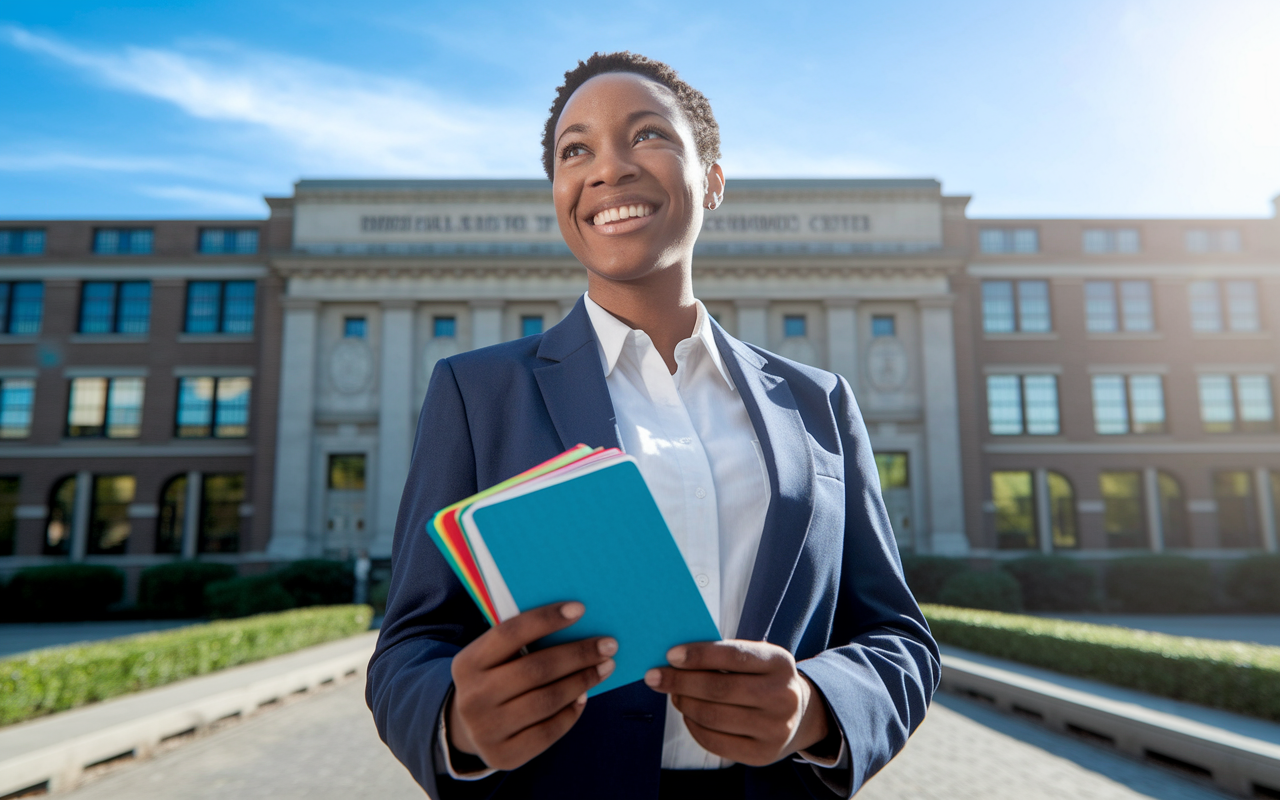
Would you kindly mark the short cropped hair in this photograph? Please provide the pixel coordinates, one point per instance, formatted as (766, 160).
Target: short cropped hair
(706, 132)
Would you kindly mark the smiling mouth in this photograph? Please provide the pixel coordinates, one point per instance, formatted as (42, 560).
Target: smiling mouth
(619, 213)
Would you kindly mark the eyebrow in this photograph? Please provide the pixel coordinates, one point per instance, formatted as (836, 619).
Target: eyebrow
(579, 127)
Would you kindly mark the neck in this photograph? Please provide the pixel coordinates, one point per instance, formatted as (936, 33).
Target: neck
(661, 305)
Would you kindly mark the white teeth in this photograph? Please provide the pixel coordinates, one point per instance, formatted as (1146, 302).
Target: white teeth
(621, 213)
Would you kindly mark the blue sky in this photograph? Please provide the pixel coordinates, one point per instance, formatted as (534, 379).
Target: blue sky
(1087, 108)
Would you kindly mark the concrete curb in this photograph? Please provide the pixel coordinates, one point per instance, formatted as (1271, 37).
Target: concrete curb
(52, 752)
(1239, 754)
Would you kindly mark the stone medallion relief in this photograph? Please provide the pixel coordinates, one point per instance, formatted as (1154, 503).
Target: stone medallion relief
(887, 368)
(350, 366)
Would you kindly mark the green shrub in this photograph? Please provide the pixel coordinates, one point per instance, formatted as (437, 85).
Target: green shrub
(926, 574)
(240, 597)
(378, 596)
(1054, 583)
(1160, 584)
(1239, 677)
(59, 678)
(994, 590)
(63, 592)
(314, 582)
(1254, 584)
(177, 590)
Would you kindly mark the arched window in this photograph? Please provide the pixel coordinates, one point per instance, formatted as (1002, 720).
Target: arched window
(9, 486)
(220, 503)
(1123, 516)
(1014, 501)
(1062, 512)
(1173, 512)
(1238, 524)
(62, 506)
(109, 524)
(173, 515)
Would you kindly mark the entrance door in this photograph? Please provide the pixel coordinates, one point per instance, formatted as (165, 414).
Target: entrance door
(345, 534)
(895, 488)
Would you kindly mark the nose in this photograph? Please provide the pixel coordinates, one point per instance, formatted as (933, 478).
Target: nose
(613, 165)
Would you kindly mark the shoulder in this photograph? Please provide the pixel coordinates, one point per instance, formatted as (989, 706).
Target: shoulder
(808, 383)
(517, 356)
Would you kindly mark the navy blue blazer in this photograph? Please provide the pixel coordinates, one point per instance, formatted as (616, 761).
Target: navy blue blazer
(827, 585)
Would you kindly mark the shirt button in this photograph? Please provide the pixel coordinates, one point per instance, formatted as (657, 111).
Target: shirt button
(702, 580)
(700, 493)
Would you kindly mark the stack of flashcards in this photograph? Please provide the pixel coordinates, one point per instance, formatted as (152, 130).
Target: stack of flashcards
(583, 527)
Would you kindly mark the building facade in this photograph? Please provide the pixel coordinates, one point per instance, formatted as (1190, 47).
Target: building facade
(248, 391)
(138, 364)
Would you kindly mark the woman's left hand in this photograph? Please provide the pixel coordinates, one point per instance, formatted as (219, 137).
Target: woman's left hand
(744, 701)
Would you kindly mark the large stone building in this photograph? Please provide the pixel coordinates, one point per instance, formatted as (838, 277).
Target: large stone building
(1089, 387)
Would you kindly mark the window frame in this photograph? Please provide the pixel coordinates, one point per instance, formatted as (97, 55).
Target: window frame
(1237, 422)
(215, 408)
(1024, 406)
(234, 232)
(1127, 404)
(5, 409)
(9, 304)
(1017, 302)
(126, 234)
(109, 408)
(220, 308)
(20, 237)
(118, 301)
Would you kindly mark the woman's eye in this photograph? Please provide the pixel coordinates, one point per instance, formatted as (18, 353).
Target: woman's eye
(571, 151)
(645, 135)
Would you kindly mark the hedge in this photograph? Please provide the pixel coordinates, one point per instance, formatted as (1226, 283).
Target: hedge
(1054, 583)
(1239, 677)
(1254, 584)
(1160, 585)
(309, 582)
(177, 590)
(62, 592)
(994, 590)
(60, 678)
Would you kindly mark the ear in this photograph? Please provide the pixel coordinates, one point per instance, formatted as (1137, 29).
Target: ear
(715, 187)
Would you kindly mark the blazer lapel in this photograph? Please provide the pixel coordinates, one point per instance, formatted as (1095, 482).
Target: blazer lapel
(789, 460)
(573, 386)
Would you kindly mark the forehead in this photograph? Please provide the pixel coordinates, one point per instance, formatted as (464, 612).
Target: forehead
(616, 96)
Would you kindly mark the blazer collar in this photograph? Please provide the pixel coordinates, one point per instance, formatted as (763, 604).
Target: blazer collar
(785, 443)
(572, 384)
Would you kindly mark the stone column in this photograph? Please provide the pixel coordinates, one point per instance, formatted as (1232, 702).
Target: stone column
(942, 428)
(486, 322)
(1266, 508)
(295, 428)
(80, 511)
(1044, 515)
(753, 321)
(191, 519)
(842, 338)
(1155, 524)
(395, 421)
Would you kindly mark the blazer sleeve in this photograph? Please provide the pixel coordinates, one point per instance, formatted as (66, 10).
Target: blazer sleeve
(430, 616)
(883, 666)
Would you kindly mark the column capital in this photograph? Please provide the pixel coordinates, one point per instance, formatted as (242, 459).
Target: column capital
(299, 303)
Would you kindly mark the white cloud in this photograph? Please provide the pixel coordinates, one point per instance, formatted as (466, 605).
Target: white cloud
(208, 199)
(340, 120)
(58, 160)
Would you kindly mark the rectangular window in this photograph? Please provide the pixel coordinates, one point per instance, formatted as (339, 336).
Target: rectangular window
(220, 307)
(1242, 306)
(1134, 312)
(1030, 311)
(122, 241)
(1237, 509)
(444, 327)
(346, 471)
(1022, 404)
(109, 525)
(884, 325)
(1111, 240)
(530, 325)
(1123, 517)
(21, 241)
(1206, 307)
(1014, 501)
(1243, 405)
(794, 325)
(229, 241)
(1100, 312)
(110, 407)
(17, 397)
(1128, 404)
(9, 492)
(1217, 404)
(115, 307)
(21, 307)
(1241, 311)
(1136, 306)
(217, 407)
(1225, 240)
(1257, 413)
(1009, 240)
(353, 327)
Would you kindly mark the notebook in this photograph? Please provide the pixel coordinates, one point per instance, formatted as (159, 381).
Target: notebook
(581, 526)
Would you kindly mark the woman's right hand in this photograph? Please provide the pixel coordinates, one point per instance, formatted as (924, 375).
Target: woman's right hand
(507, 708)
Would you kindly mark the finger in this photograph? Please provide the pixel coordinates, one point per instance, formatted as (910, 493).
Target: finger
(721, 717)
(748, 691)
(500, 644)
(545, 702)
(545, 667)
(735, 655)
(726, 745)
(524, 745)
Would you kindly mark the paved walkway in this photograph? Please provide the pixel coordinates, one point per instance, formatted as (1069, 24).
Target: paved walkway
(1259, 628)
(324, 747)
(20, 637)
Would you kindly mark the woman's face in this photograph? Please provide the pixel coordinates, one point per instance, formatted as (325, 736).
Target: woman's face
(629, 187)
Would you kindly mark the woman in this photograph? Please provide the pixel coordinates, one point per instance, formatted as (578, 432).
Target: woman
(761, 468)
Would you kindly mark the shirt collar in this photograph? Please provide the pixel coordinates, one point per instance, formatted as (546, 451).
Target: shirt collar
(612, 335)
